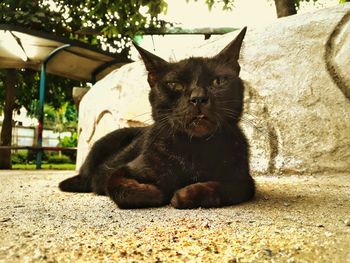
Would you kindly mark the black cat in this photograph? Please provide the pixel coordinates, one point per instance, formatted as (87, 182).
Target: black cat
(194, 155)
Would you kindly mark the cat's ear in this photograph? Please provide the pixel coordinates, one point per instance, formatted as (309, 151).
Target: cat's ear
(154, 64)
(232, 50)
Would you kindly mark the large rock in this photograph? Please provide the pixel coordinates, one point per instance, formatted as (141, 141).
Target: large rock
(297, 114)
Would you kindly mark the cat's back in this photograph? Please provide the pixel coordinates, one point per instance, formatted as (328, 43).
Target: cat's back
(109, 145)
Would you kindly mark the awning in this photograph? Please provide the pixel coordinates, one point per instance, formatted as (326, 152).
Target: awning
(24, 48)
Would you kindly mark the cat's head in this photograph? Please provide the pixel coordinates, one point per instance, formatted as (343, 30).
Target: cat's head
(197, 96)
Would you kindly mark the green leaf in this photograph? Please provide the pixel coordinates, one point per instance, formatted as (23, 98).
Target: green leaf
(40, 14)
(35, 19)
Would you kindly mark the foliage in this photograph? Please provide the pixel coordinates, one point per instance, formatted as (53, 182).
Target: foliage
(298, 2)
(61, 119)
(58, 90)
(19, 157)
(71, 141)
(226, 4)
(82, 20)
(64, 166)
(55, 159)
(67, 156)
(29, 156)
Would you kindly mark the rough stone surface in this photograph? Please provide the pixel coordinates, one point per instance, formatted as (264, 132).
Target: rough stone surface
(292, 219)
(119, 100)
(297, 114)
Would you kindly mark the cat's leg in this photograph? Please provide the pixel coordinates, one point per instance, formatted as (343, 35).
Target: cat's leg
(127, 192)
(108, 145)
(213, 194)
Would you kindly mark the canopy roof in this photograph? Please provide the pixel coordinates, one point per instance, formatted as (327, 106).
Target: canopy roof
(24, 48)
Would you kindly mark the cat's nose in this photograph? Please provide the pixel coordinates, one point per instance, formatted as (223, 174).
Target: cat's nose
(199, 97)
(199, 100)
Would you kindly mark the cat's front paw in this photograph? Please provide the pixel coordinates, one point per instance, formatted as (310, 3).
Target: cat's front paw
(129, 193)
(196, 195)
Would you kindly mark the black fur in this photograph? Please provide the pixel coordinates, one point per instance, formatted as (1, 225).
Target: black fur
(194, 155)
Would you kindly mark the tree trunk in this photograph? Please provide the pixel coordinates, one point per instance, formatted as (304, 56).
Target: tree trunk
(6, 131)
(285, 8)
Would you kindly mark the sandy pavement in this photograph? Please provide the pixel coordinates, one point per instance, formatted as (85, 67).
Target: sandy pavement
(292, 219)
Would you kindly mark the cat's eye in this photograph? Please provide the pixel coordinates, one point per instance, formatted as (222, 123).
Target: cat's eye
(175, 86)
(218, 81)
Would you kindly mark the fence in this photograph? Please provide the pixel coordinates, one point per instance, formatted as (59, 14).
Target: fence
(26, 136)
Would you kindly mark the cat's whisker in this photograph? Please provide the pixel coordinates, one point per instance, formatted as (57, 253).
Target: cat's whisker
(224, 101)
(231, 113)
(148, 121)
(142, 114)
(266, 132)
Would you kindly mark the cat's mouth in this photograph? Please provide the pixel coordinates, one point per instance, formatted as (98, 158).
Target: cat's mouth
(201, 126)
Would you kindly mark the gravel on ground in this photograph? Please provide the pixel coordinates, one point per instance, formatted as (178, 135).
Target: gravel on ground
(292, 219)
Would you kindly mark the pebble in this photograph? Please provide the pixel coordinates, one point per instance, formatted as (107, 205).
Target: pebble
(206, 225)
(347, 222)
(268, 252)
(328, 234)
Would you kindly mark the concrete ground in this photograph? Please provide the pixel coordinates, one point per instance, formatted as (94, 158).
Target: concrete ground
(292, 219)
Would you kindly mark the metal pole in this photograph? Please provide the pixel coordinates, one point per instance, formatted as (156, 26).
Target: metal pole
(39, 153)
